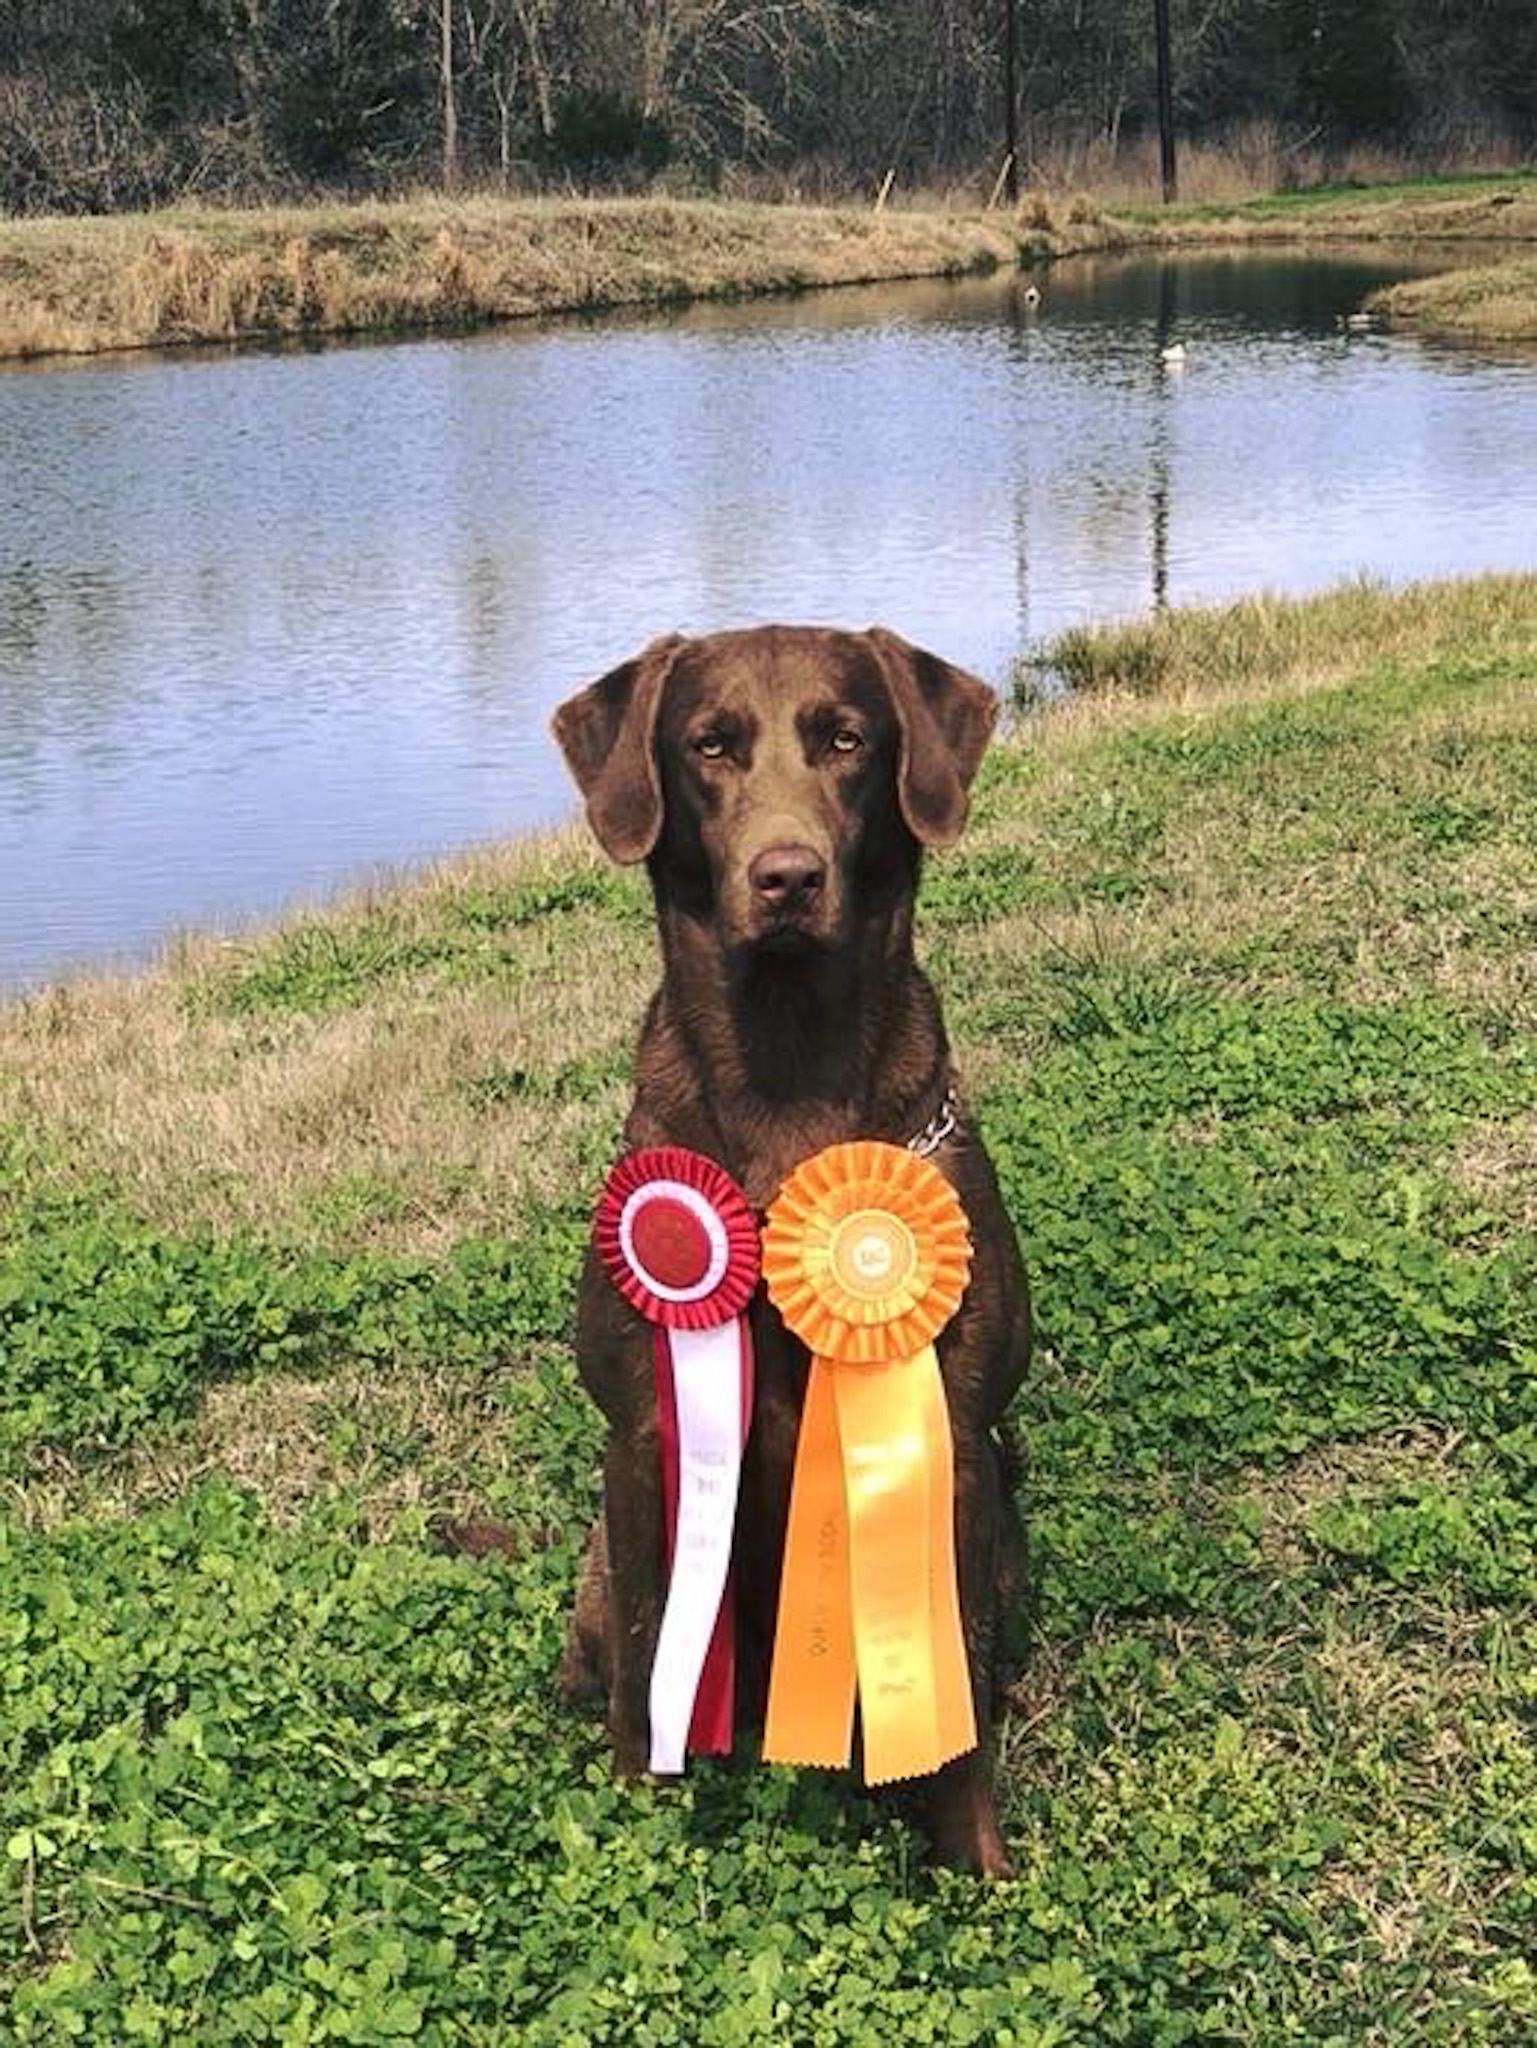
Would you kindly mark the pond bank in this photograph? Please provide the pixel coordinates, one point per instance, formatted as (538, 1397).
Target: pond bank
(80, 286)
(1497, 302)
(129, 281)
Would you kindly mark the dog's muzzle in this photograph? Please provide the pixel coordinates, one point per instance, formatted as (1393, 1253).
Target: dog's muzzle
(787, 893)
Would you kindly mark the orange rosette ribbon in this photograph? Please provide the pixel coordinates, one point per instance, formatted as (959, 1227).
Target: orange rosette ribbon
(866, 1253)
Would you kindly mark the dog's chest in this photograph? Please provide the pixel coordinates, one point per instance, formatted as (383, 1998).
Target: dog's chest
(780, 1368)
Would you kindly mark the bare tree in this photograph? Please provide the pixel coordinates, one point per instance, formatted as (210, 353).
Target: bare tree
(113, 102)
(722, 73)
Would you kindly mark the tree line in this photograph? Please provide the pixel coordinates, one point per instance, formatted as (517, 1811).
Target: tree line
(106, 104)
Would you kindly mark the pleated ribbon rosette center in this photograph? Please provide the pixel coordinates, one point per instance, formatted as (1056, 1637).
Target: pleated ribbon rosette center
(866, 1253)
(679, 1242)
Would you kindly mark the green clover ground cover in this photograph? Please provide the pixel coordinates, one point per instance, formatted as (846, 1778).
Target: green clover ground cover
(1249, 993)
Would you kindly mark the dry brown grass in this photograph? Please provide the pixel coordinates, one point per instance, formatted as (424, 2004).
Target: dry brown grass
(1494, 303)
(148, 280)
(366, 1110)
(129, 281)
(412, 1442)
(1499, 1161)
(1286, 1500)
(1250, 160)
(1216, 656)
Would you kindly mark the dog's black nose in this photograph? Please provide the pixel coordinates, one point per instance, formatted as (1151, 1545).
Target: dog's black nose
(786, 877)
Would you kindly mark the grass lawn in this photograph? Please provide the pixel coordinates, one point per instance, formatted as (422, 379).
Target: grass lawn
(1471, 202)
(1240, 954)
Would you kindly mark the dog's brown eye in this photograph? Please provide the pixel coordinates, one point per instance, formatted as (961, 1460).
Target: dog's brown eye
(847, 741)
(710, 746)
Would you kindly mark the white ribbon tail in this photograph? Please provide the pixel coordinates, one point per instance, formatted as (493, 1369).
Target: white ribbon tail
(707, 1376)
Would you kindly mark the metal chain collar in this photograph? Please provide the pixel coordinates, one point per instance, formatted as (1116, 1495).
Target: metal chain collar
(940, 1125)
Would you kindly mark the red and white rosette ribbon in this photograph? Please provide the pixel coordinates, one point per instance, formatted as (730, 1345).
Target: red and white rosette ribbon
(679, 1242)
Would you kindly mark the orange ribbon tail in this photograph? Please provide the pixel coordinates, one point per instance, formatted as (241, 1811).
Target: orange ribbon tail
(811, 1685)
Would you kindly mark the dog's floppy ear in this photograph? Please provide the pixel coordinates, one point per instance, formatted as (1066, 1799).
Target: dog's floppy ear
(607, 733)
(946, 717)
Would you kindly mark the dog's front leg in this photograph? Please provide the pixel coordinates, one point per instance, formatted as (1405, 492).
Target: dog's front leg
(962, 1802)
(614, 1359)
(632, 1498)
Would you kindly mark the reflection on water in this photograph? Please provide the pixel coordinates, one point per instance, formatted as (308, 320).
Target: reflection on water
(267, 621)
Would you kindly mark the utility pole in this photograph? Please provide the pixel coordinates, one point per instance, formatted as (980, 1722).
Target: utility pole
(1165, 101)
(1011, 99)
(450, 94)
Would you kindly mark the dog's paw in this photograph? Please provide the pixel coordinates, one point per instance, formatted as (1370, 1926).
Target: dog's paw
(962, 1819)
(632, 1759)
(977, 1848)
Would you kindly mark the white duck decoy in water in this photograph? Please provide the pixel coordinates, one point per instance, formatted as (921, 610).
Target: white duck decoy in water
(1173, 355)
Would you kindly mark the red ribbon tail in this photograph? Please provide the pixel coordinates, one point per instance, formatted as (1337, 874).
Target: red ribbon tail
(711, 1729)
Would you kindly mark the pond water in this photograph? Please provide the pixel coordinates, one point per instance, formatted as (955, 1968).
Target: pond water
(271, 621)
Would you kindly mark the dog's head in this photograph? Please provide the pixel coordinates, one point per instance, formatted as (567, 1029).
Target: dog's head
(782, 780)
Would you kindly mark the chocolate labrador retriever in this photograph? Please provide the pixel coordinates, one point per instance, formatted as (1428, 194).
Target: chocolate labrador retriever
(781, 785)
